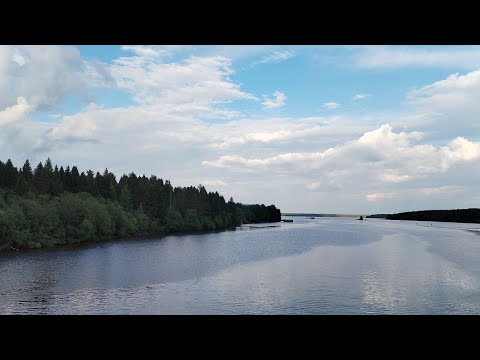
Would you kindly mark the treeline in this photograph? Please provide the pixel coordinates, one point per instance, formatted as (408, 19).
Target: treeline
(49, 205)
(377, 216)
(458, 215)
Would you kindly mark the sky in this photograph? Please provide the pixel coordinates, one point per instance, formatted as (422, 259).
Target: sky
(332, 129)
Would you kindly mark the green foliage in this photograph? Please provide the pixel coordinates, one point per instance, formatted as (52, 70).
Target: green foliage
(86, 230)
(51, 206)
(174, 221)
(125, 198)
(208, 224)
(192, 223)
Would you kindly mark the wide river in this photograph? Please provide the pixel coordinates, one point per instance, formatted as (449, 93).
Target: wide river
(310, 266)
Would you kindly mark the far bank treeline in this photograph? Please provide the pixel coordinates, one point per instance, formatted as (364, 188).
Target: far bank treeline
(47, 206)
(457, 215)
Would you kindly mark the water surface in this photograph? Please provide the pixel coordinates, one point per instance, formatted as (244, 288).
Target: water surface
(310, 266)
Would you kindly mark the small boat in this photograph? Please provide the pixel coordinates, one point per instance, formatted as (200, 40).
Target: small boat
(312, 217)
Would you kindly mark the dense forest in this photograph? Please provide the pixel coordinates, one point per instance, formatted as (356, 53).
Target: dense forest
(458, 215)
(48, 206)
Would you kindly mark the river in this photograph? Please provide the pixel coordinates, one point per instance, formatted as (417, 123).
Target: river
(310, 266)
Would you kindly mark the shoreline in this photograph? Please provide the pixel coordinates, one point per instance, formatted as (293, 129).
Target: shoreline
(93, 243)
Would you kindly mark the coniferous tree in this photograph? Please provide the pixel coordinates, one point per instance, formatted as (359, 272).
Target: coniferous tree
(21, 186)
(75, 179)
(10, 179)
(67, 179)
(39, 179)
(27, 172)
(48, 165)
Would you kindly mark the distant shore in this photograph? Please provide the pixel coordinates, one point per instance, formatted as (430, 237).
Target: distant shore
(321, 215)
(471, 215)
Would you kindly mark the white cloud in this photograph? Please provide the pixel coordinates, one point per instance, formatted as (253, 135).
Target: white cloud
(330, 183)
(197, 85)
(235, 160)
(331, 105)
(156, 50)
(314, 131)
(399, 56)
(376, 159)
(275, 57)
(450, 106)
(439, 191)
(331, 162)
(358, 97)
(43, 75)
(214, 183)
(385, 138)
(233, 52)
(379, 196)
(314, 185)
(277, 101)
(455, 93)
(15, 112)
(394, 178)
(451, 91)
(78, 126)
(18, 57)
(141, 50)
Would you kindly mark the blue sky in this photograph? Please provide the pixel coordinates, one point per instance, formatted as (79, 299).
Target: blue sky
(348, 129)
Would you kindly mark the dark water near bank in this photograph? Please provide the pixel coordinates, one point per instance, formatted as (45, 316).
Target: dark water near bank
(310, 266)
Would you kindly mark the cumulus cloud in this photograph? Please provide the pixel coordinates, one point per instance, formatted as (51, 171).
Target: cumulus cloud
(275, 57)
(42, 75)
(457, 92)
(380, 156)
(331, 105)
(15, 112)
(81, 125)
(38, 78)
(449, 106)
(277, 101)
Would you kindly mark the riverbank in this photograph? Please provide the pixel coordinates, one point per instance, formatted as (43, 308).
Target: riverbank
(96, 242)
(152, 236)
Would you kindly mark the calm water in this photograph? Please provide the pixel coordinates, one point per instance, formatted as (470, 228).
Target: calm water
(320, 266)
